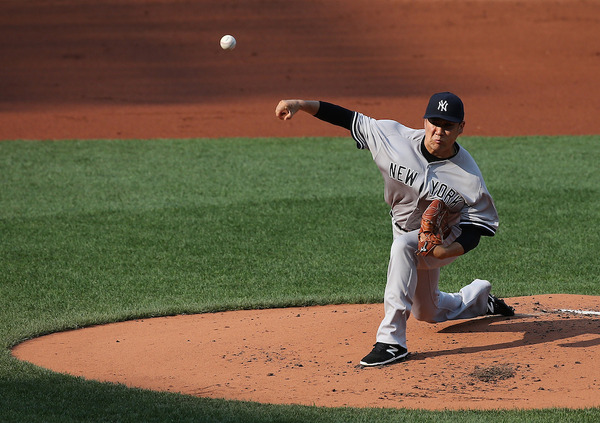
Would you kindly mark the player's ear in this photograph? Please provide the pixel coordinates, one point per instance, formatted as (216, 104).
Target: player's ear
(461, 127)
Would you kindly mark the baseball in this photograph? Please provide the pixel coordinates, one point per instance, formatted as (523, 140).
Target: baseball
(228, 42)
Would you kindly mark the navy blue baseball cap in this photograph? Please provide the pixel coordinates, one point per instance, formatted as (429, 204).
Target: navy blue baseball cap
(445, 106)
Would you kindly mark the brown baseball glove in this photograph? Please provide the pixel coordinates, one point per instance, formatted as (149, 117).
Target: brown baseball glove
(434, 226)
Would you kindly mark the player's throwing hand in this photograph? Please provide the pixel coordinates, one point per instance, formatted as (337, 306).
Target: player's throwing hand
(286, 109)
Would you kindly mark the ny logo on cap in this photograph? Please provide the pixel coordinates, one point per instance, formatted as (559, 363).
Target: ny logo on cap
(443, 105)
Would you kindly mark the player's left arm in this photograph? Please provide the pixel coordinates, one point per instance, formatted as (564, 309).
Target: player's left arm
(453, 250)
(466, 241)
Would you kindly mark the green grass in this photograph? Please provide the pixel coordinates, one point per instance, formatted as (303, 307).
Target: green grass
(100, 231)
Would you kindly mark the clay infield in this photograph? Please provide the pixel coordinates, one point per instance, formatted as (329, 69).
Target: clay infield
(540, 358)
(139, 69)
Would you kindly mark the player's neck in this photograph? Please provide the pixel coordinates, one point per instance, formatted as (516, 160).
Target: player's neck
(431, 158)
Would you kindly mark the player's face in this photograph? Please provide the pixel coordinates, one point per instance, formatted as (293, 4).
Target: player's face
(440, 136)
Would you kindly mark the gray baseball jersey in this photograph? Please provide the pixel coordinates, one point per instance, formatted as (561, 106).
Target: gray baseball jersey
(412, 183)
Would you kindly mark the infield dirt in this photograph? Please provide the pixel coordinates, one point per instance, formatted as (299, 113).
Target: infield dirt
(540, 358)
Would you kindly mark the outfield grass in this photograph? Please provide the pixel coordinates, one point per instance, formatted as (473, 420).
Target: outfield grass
(100, 231)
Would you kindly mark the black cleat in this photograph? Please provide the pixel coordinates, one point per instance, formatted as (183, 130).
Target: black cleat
(384, 354)
(498, 306)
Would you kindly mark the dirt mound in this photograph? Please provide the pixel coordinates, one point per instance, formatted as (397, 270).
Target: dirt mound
(542, 357)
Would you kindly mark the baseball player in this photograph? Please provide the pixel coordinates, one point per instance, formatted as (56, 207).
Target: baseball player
(419, 166)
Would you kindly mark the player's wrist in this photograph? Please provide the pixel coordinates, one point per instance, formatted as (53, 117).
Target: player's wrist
(453, 250)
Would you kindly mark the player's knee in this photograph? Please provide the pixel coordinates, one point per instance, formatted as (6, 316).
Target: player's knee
(426, 310)
(424, 315)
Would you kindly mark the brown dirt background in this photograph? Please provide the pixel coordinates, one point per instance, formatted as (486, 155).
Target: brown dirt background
(154, 69)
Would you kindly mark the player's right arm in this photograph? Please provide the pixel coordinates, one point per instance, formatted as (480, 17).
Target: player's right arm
(327, 112)
(286, 109)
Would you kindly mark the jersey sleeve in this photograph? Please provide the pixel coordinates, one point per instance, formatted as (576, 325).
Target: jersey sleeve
(375, 135)
(365, 132)
(481, 215)
(360, 126)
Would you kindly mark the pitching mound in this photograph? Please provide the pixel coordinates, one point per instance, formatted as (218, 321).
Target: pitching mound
(545, 356)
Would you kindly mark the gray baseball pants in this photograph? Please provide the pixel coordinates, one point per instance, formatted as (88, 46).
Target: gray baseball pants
(412, 287)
